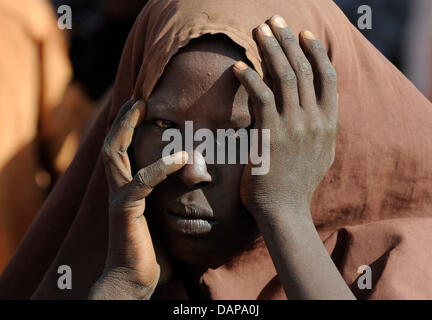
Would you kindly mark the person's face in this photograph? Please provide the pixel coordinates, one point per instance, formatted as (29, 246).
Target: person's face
(198, 85)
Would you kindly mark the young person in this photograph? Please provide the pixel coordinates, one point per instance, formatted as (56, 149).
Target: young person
(255, 238)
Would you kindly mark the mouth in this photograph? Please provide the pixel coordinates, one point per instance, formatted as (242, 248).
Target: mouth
(190, 220)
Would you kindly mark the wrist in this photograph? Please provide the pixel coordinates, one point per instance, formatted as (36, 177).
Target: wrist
(121, 285)
(293, 224)
(289, 210)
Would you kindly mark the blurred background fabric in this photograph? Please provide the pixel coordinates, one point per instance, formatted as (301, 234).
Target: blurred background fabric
(417, 49)
(389, 19)
(51, 83)
(34, 73)
(401, 31)
(100, 29)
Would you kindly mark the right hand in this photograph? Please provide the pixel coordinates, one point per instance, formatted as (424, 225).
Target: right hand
(131, 268)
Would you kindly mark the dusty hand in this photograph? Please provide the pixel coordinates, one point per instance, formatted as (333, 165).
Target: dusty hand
(302, 117)
(131, 269)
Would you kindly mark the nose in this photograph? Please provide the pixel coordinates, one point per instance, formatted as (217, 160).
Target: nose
(195, 173)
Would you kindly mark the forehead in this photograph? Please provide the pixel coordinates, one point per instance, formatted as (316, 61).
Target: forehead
(198, 83)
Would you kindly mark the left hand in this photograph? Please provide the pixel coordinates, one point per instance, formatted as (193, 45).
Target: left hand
(302, 116)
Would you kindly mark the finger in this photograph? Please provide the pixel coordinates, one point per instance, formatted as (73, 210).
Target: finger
(326, 74)
(297, 59)
(129, 206)
(124, 108)
(149, 177)
(118, 140)
(122, 133)
(262, 96)
(284, 79)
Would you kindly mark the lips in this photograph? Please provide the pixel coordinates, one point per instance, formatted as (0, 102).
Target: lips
(190, 219)
(191, 211)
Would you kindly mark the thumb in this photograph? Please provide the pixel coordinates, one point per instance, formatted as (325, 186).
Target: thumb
(146, 179)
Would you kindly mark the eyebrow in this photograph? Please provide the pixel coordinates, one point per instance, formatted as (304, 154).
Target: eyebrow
(159, 107)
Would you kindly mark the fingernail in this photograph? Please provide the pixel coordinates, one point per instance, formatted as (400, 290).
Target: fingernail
(308, 35)
(240, 65)
(278, 21)
(180, 157)
(135, 105)
(138, 110)
(265, 30)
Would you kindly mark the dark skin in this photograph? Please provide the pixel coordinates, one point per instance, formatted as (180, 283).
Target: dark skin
(303, 120)
(213, 100)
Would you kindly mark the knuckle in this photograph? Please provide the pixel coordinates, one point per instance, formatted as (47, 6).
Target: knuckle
(305, 70)
(266, 97)
(251, 76)
(288, 77)
(107, 151)
(329, 74)
(298, 130)
(142, 179)
(271, 43)
(287, 37)
(318, 48)
(315, 128)
(330, 130)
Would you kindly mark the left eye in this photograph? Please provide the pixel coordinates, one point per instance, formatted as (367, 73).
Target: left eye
(166, 124)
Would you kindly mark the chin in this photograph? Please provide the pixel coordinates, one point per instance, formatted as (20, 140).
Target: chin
(204, 251)
(195, 250)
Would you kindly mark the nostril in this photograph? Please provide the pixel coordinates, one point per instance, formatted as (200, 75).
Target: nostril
(201, 184)
(193, 178)
(195, 174)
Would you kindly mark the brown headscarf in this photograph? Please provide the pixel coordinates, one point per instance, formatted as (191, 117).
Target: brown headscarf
(373, 208)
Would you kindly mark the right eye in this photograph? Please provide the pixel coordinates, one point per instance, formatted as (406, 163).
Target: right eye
(166, 124)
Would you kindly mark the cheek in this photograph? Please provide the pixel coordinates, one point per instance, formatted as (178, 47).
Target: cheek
(148, 146)
(232, 174)
(226, 190)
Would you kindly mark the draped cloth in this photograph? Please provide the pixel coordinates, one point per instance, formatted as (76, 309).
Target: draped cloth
(34, 73)
(373, 208)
